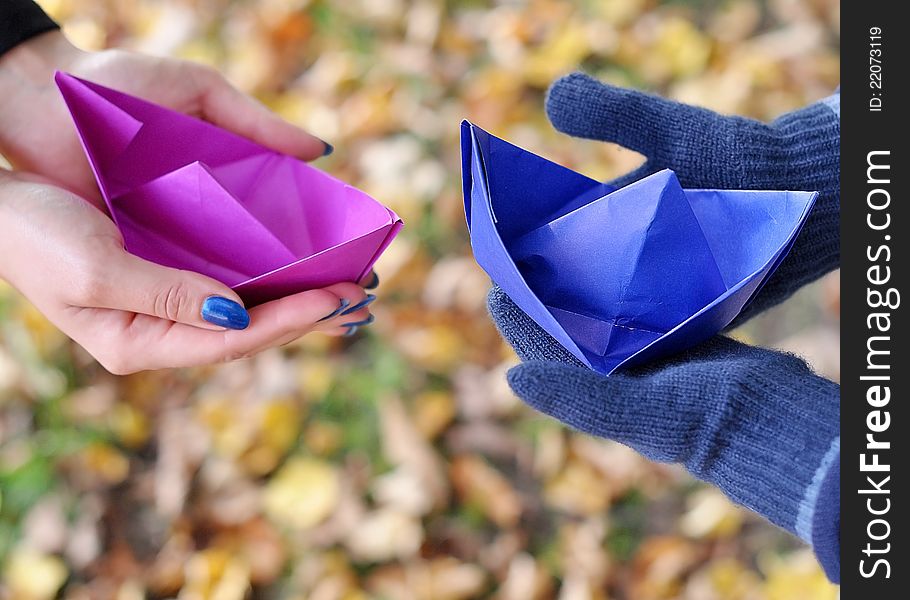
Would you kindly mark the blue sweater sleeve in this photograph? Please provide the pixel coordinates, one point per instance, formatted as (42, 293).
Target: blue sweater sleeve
(825, 536)
(826, 521)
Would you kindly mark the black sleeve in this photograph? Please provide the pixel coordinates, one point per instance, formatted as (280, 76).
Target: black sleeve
(21, 20)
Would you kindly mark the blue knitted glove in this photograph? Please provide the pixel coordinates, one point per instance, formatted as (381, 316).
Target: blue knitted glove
(798, 151)
(757, 424)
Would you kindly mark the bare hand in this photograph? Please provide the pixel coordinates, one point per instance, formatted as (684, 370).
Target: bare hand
(68, 258)
(37, 134)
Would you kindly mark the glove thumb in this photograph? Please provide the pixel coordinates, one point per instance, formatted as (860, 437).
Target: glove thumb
(627, 409)
(582, 106)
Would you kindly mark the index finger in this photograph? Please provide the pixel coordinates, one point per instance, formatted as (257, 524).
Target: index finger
(226, 106)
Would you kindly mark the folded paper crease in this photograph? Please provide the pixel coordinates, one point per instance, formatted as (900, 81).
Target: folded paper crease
(620, 276)
(187, 194)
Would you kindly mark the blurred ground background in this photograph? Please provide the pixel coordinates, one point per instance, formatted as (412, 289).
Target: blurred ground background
(398, 464)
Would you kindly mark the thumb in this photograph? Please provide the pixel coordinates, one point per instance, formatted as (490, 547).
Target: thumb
(582, 106)
(635, 411)
(140, 286)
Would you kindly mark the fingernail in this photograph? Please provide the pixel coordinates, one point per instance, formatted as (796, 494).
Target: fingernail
(222, 311)
(374, 283)
(356, 324)
(365, 302)
(341, 306)
(351, 331)
(329, 148)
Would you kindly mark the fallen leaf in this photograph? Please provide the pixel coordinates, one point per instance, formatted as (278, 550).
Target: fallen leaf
(479, 484)
(215, 574)
(302, 493)
(404, 445)
(711, 515)
(385, 534)
(32, 575)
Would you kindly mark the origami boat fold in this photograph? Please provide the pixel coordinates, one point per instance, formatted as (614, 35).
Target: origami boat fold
(622, 276)
(187, 194)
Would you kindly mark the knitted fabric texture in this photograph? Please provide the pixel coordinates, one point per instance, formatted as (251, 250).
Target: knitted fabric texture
(800, 151)
(757, 424)
(735, 416)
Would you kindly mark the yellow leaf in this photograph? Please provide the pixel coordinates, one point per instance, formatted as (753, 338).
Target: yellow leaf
(384, 535)
(620, 11)
(256, 434)
(215, 574)
(682, 47)
(47, 338)
(480, 484)
(31, 575)
(276, 431)
(725, 578)
(131, 590)
(797, 577)
(434, 411)
(711, 515)
(578, 489)
(435, 347)
(316, 377)
(559, 55)
(302, 493)
(129, 425)
(105, 462)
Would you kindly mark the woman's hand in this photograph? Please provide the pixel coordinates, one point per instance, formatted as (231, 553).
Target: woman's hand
(68, 259)
(37, 133)
(756, 423)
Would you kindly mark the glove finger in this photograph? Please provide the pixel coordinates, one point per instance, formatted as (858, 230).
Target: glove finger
(531, 342)
(528, 339)
(661, 129)
(717, 348)
(658, 417)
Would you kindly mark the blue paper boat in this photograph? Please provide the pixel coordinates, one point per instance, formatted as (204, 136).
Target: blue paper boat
(624, 276)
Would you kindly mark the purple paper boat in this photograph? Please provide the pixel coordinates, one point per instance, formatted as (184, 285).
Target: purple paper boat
(620, 277)
(187, 194)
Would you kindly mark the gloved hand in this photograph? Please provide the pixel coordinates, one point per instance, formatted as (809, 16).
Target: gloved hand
(756, 423)
(798, 151)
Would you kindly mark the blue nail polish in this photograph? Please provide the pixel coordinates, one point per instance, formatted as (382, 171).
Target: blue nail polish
(356, 324)
(374, 283)
(365, 302)
(218, 310)
(351, 331)
(329, 148)
(341, 306)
